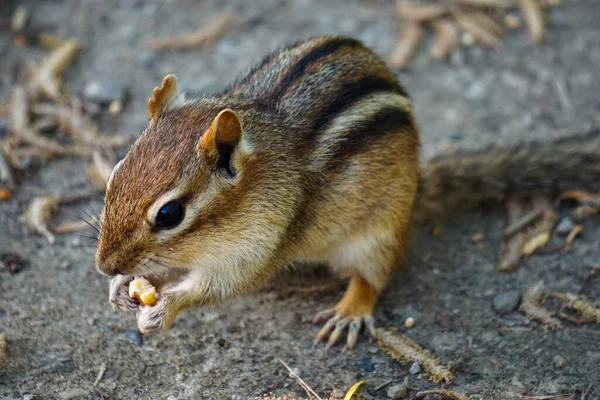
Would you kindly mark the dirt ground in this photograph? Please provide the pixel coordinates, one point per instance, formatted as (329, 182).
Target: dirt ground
(60, 329)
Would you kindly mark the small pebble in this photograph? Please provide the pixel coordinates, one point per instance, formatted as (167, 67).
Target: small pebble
(410, 322)
(506, 302)
(415, 369)
(133, 335)
(73, 393)
(565, 226)
(365, 364)
(559, 361)
(2, 312)
(27, 396)
(104, 92)
(398, 391)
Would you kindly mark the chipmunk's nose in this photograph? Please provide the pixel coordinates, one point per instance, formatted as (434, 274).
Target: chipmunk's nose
(106, 265)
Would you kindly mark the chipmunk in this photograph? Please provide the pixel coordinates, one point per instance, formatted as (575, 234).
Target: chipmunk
(313, 156)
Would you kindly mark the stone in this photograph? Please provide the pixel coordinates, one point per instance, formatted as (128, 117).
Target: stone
(73, 393)
(559, 361)
(104, 92)
(398, 391)
(565, 226)
(506, 302)
(415, 369)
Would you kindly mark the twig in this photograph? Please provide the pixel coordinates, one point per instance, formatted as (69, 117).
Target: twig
(411, 35)
(534, 19)
(100, 374)
(306, 388)
(203, 36)
(522, 222)
(530, 305)
(441, 395)
(47, 77)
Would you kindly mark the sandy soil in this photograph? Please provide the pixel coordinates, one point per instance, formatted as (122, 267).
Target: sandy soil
(60, 329)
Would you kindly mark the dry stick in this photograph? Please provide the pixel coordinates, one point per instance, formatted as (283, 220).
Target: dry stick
(100, 374)
(47, 77)
(447, 38)
(445, 394)
(411, 35)
(471, 25)
(7, 177)
(71, 226)
(488, 3)
(522, 222)
(407, 10)
(21, 129)
(510, 251)
(530, 305)
(204, 35)
(540, 233)
(534, 18)
(488, 23)
(81, 128)
(306, 388)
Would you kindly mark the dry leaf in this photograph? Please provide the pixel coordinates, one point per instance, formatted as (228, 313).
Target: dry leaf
(584, 306)
(535, 243)
(530, 305)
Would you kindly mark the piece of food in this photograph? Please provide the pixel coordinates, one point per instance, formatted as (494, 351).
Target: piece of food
(142, 290)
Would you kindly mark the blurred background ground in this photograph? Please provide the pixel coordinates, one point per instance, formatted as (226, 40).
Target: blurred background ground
(54, 313)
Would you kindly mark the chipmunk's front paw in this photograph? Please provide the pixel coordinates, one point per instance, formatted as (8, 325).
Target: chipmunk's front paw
(156, 318)
(119, 294)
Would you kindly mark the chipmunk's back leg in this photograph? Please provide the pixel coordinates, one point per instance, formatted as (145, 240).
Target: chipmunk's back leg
(368, 260)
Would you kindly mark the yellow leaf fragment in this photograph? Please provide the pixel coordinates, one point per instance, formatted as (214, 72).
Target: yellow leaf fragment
(534, 243)
(353, 390)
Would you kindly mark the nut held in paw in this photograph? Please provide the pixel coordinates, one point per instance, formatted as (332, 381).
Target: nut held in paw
(141, 289)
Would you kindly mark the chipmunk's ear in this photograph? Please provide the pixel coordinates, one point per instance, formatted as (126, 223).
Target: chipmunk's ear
(162, 96)
(222, 137)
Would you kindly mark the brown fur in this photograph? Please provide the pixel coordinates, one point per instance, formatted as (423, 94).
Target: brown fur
(325, 170)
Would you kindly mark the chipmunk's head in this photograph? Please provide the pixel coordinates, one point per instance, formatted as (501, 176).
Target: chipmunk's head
(180, 196)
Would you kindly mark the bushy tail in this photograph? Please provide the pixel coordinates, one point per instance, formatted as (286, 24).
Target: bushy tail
(463, 180)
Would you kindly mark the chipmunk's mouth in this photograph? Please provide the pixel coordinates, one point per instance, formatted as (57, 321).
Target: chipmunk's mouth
(161, 280)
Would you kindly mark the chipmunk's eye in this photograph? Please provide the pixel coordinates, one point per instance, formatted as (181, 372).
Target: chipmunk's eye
(170, 215)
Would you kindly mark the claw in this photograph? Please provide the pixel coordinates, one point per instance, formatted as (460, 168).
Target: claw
(336, 325)
(324, 316)
(337, 332)
(324, 332)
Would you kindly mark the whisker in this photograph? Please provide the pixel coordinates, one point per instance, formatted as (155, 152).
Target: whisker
(87, 222)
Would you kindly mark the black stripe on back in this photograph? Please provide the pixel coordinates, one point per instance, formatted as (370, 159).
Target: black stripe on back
(327, 48)
(361, 135)
(353, 92)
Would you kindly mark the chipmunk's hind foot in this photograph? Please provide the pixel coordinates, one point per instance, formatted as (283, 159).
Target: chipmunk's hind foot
(352, 312)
